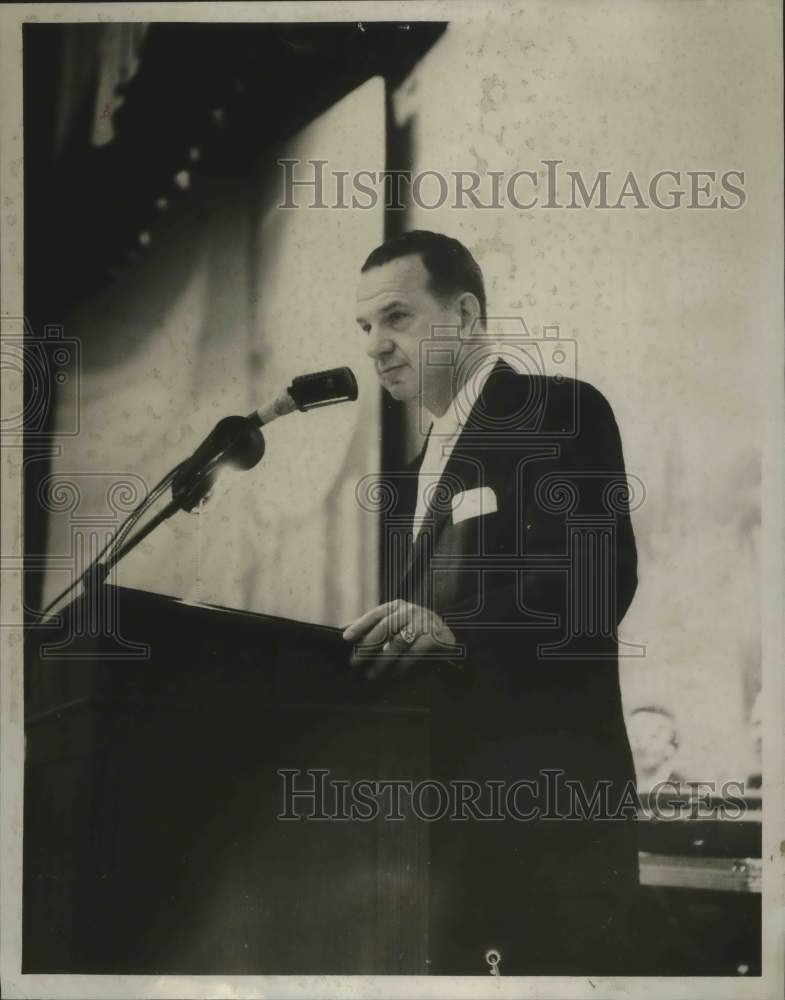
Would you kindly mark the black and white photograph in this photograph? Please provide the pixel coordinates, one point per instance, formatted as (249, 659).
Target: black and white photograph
(392, 521)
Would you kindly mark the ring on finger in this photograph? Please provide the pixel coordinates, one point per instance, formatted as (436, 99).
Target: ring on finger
(408, 634)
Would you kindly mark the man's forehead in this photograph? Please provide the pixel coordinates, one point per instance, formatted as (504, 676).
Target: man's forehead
(404, 275)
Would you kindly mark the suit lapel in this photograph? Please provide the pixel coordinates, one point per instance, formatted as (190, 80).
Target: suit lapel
(412, 545)
(460, 473)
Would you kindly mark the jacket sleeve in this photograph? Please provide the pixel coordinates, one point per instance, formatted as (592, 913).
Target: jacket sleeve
(578, 571)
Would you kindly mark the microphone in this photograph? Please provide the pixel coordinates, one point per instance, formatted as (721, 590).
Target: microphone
(336, 385)
(238, 441)
(234, 441)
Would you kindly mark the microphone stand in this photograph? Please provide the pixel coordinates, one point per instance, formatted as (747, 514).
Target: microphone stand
(236, 441)
(97, 572)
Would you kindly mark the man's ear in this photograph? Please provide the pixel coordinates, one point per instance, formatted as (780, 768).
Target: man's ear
(469, 308)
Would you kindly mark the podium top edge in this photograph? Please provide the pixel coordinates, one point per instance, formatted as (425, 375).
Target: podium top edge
(162, 602)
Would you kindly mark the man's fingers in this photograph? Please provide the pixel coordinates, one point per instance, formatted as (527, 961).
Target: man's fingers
(361, 625)
(392, 635)
(365, 652)
(407, 659)
(374, 643)
(391, 624)
(395, 650)
(399, 656)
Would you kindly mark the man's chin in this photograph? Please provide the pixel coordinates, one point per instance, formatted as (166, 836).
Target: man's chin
(400, 391)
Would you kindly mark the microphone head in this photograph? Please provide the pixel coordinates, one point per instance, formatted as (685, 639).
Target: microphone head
(337, 385)
(234, 441)
(239, 442)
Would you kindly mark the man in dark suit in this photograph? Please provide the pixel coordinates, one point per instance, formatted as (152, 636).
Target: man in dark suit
(521, 565)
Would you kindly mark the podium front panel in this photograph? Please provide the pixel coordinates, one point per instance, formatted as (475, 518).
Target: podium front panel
(161, 740)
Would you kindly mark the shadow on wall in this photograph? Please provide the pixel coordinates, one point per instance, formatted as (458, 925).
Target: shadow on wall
(232, 300)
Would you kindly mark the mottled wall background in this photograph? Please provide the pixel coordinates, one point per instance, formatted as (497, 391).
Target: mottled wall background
(232, 300)
(667, 308)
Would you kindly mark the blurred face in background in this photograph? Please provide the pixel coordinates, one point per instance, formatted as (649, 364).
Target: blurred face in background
(398, 312)
(652, 739)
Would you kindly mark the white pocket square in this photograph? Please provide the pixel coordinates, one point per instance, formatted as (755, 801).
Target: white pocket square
(473, 503)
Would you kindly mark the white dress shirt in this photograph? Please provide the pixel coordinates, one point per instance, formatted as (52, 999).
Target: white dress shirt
(445, 431)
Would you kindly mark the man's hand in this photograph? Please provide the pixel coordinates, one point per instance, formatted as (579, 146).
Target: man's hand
(394, 635)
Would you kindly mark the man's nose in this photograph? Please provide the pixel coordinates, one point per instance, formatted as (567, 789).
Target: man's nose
(378, 346)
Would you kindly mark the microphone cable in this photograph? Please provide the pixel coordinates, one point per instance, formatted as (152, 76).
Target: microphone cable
(112, 544)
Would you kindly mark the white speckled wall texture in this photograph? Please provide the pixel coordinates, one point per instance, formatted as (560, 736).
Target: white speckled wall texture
(667, 307)
(234, 298)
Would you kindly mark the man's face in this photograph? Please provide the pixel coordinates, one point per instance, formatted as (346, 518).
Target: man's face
(397, 311)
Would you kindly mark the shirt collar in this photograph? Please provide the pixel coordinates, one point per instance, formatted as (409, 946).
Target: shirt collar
(453, 420)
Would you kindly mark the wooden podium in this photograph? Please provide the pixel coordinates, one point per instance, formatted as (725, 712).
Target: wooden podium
(155, 731)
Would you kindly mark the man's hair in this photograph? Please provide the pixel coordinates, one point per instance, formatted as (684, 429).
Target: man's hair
(451, 268)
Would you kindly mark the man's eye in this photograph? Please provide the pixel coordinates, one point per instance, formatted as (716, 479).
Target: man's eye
(396, 317)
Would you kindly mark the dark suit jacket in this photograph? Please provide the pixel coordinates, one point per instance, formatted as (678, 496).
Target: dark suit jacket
(534, 592)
